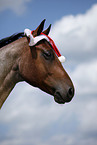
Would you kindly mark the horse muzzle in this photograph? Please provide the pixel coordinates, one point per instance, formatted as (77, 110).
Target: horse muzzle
(62, 98)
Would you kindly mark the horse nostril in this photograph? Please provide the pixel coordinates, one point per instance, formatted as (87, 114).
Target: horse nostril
(70, 92)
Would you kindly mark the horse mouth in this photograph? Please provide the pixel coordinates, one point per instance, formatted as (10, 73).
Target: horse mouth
(59, 99)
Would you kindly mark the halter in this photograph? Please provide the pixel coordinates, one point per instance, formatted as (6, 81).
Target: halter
(34, 40)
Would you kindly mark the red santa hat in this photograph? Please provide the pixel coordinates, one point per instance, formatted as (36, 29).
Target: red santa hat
(34, 40)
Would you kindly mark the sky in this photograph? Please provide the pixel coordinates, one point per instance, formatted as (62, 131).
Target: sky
(32, 117)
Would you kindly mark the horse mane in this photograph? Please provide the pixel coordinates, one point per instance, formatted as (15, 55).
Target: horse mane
(10, 39)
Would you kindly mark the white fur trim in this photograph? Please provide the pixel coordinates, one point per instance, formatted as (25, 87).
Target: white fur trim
(61, 59)
(34, 40)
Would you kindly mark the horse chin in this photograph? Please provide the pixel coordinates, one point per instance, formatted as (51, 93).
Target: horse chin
(58, 98)
(59, 101)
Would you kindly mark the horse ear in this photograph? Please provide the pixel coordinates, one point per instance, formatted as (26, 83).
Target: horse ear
(47, 30)
(39, 29)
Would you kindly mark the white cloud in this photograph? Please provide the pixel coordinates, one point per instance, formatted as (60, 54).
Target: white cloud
(76, 36)
(85, 78)
(88, 123)
(18, 6)
(27, 116)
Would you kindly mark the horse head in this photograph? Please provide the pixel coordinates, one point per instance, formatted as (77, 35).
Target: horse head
(40, 67)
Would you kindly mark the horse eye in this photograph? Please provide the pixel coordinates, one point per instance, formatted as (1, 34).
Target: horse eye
(47, 55)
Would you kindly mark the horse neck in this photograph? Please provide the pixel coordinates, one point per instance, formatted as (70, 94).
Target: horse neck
(9, 59)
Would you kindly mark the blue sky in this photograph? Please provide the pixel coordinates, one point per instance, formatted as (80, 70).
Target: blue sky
(15, 16)
(30, 116)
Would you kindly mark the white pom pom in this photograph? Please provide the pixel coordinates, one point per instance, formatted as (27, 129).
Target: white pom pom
(27, 32)
(61, 59)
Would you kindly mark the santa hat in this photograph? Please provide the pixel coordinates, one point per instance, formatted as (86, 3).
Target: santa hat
(34, 40)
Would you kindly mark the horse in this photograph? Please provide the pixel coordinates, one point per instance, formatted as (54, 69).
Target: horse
(36, 64)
